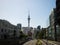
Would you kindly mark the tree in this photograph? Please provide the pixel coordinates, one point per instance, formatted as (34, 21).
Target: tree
(41, 34)
(22, 36)
(38, 27)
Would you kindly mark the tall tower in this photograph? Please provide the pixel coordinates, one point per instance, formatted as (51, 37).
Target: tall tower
(28, 19)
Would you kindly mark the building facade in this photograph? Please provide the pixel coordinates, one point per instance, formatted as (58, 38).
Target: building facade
(26, 30)
(19, 28)
(58, 12)
(7, 30)
(52, 23)
(53, 29)
(58, 19)
(49, 36)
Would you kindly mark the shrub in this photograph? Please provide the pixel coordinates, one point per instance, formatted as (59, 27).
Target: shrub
(38, 42)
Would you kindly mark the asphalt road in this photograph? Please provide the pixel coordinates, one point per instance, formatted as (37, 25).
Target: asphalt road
(32, 42)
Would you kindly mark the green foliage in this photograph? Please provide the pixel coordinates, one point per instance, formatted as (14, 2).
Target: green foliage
(41, 34)
(38, 42)
(22, 35)
(38, 27)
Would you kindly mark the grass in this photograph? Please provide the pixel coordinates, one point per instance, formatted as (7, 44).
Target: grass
(38, 42)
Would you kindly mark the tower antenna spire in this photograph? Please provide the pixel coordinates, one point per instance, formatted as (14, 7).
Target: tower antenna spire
(28, 19)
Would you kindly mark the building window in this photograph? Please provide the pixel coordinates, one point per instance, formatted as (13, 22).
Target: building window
(49, 35)
(9, 31)
(1, 30)
(6, 26)
(5, 30)
(1, 36)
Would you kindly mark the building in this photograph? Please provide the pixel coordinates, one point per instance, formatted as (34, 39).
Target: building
(53, 29)
(49, 35)
(19, 28)
(58, 33)
(7, 30)
(52, 23)
(58, 12)
(26, 30)
(57, 17)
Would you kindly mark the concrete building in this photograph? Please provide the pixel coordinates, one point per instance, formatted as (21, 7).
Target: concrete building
(55, 22)
(53, 29)
(49, 36)
(7, 30)
(57, 18)
(58, 12)
(52, 23)
(19, 27)
(26, 30)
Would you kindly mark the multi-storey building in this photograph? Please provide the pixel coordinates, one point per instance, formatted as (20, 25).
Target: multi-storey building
(7, 30)
(52, 23)
(26, 30)
(49, 34)
(58, 12)
(53, 29)
(19, 27)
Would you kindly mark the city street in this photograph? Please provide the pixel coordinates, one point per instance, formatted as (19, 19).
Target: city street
(29, 22)
(44, 42)
(32, 42)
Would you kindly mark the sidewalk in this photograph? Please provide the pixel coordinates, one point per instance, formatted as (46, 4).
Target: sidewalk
(31, 42)
(51, 42)
(43, 43)
(57, 43)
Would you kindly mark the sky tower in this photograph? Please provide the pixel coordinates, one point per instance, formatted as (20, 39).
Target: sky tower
(28, 19)
(29, 29)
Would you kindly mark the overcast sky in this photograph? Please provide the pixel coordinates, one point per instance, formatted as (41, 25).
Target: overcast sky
(16, 11)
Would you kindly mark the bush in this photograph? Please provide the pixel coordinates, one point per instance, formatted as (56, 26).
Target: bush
(38, 42)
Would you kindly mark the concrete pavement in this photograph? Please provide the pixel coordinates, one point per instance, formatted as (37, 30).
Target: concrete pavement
(32, 42)
(43, 41)
(51, 42)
